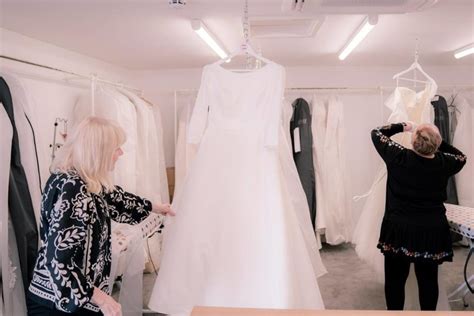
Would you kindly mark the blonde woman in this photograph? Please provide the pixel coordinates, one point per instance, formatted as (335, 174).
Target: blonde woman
(71, 276)
(415, 228)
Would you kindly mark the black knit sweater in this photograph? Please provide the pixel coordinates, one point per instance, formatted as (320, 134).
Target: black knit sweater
(415, 223)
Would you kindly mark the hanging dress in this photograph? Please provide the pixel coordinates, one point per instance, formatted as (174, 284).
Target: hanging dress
(318, 128)
(441, 120)
(338, 213)
(302, 140)
(406, 105)
(242, 235)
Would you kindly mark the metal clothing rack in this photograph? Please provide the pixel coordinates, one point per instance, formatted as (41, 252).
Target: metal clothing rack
(90, 77)
(379, 89)
(93, 77)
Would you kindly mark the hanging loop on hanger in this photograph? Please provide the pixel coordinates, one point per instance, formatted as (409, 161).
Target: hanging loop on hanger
(416, 61)
(246, 30)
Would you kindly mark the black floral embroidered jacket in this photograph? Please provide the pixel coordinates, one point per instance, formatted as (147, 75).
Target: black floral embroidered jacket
(75, 230)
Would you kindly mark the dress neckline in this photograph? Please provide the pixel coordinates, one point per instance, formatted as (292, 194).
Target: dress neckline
(244, 74)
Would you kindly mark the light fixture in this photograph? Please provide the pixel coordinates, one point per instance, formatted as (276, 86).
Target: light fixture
(177, 4)
(361, 32)
(207, 37)
(464, 51)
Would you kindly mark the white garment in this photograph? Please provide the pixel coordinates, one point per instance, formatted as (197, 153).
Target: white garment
(165, 194)
(148, 164)
(237, 239)
(463, 139)
(286, 121)
(185, 152)
(25, 115)
(333, 215)
(12, 284)
(406, 105)
(150, 168)
(318, 128)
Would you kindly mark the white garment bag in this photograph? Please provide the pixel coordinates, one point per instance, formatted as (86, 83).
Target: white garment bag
(26, 123)
(333, 212)
(12, 285)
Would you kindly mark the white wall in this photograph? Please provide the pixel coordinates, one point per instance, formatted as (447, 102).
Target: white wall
(52, 96)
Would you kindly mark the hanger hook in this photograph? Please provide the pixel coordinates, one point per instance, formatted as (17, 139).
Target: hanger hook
(416, 49)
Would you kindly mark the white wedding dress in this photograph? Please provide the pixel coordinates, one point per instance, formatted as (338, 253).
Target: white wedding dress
(242, 235)
(406, 105)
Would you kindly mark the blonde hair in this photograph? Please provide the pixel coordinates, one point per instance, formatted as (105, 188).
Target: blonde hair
(426, 140)
(89, 152)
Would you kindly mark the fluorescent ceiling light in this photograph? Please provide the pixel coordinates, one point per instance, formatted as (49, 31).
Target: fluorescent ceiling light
(358, 36)
(207, 37)
(466, 50)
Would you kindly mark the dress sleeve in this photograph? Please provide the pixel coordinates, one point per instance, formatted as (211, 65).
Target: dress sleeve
(385, 146)
(273, 122)
(125, 207)
(455, 159)
(198, 122)
(65, 244)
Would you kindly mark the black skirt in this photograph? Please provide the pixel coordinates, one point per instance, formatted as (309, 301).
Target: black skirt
(416, 242)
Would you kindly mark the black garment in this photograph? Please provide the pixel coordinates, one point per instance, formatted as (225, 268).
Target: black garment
(304, 159)
(442, 122)
(75, 254)
(20, 206)
(396, 273)
(35, 309)
(415, 224)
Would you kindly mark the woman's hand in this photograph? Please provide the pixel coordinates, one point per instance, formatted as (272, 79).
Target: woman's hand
(107, 305)
(164, 209)
(409, 126)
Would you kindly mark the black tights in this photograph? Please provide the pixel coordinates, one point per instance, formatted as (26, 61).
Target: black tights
(397, 269)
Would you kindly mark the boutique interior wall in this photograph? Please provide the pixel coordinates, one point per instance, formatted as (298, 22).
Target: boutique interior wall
(53, 97)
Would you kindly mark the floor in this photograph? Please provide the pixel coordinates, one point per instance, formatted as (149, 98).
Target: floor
(344, 290)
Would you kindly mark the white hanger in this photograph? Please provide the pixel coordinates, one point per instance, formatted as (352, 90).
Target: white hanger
(245, 49)
(414, 67)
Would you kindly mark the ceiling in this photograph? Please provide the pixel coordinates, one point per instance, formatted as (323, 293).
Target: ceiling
(148, 34)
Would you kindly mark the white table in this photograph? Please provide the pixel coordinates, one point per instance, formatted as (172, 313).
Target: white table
(461, 221)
